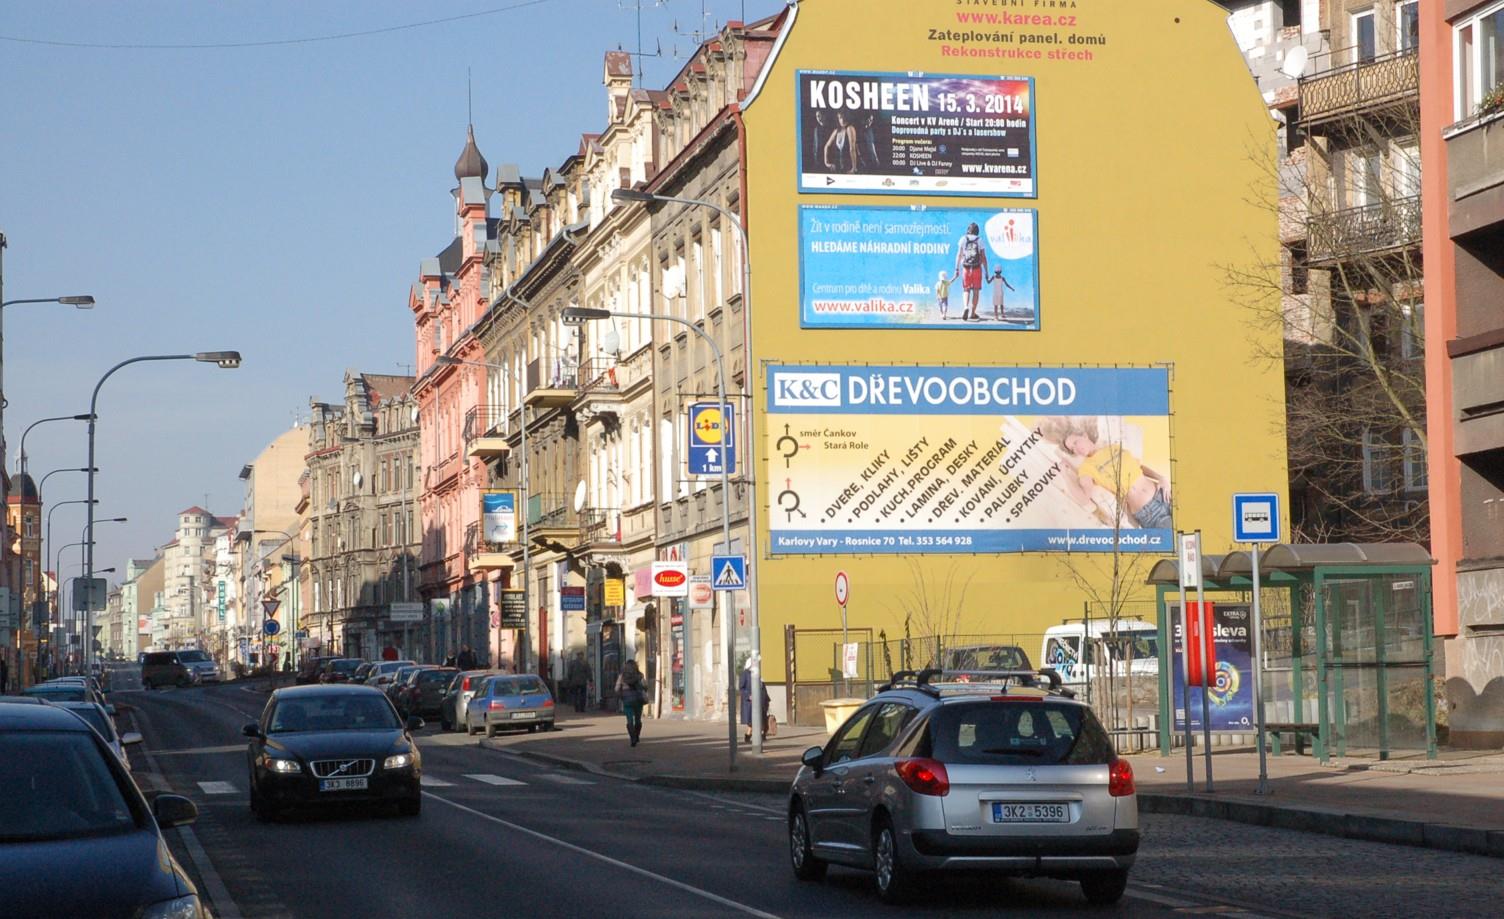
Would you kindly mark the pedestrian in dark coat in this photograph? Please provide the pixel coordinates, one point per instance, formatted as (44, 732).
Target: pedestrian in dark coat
(633, 693)
(466, 660)
(746, 692)
(576, 678)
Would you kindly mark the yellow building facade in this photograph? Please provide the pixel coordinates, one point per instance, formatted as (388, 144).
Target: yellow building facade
(1107, 392)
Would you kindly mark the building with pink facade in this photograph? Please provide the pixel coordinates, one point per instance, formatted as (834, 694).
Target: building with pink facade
(447, 300)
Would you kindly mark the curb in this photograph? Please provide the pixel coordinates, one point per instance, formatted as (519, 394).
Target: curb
(1330, 822)
(683, 782)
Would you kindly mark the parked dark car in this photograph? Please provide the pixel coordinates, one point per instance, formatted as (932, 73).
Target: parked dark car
(76, 836)
(397, 691)
(164, 668)
(426, 695)
(318, 745)
(339, 669)
(310, 666)
(361, 672)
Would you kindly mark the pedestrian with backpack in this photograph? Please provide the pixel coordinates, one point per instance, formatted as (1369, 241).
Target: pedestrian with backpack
(971, 264)
(633, 694)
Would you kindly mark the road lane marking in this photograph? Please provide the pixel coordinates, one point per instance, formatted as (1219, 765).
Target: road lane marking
(563, 779)
(218, 788)
(588, 853)
(495, 780)
(430, 781)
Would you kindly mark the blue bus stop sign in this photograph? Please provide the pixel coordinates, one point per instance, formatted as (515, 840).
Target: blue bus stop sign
(1255, 517)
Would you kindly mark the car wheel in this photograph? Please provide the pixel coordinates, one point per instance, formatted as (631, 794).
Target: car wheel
(532, 729)
(490, 730)
(412, 807)
(1104, 888)
(546, 726)
(894, 881)
(469, 730)
(263, 811)
(806, 866)
(183, 682)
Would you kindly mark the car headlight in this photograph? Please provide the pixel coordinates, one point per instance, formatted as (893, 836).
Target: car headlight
(181, 908)
(284, 766)
(398, 761)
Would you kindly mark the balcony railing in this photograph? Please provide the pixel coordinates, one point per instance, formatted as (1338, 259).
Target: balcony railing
(600, 525)
(1367, 230)
(551, 511)
(485, 421)
(599, 375)
(1353, 88)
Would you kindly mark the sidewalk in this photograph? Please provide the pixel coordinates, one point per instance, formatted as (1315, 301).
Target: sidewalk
(1455, 803)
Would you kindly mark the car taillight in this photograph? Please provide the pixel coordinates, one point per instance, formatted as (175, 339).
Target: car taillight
(1119, 778)
(548, 703)
(497, 704)
(465, 685)
(925, 776)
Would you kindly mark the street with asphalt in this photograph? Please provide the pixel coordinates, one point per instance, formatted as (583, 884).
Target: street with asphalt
(576, 822)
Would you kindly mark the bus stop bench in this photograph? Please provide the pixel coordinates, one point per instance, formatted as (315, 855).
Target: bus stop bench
(1301, 730)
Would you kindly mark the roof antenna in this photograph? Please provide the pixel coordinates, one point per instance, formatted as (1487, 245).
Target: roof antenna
(469, 101)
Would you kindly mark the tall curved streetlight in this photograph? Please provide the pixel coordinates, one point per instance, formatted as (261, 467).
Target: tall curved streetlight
(227, 360)
(43, 421)
(634, 196)
(47, 545)
(57, 601)
(88, 544)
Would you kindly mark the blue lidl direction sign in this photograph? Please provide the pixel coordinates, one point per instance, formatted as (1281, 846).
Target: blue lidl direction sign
(728, 572)
(1255, 517)
(271, 627)
(712, 438)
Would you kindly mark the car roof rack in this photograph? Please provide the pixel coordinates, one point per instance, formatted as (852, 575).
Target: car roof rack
(973, 682)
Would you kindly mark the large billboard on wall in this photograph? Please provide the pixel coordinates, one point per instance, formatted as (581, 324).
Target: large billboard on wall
(916, 133)
(918, 267)
(937, 460)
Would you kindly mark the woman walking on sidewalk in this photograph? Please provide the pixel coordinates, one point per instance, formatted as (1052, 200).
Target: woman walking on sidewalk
(746, 693)
(629, 688)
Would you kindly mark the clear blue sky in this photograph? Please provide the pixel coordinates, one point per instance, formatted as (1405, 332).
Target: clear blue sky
(275, 200)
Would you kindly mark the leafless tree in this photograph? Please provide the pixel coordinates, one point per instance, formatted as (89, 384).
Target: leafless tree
(1345, 297)
(933, 601)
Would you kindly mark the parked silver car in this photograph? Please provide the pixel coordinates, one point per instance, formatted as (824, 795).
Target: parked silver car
(382, 673)
(458, 694)
(97, 718)
(510, 703)
(979, 771)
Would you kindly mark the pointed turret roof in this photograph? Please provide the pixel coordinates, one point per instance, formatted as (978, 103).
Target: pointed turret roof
(471, 164)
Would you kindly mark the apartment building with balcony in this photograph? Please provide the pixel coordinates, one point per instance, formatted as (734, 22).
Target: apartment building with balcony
(447, 301)
(362, 543)
(1462, 112)
(1341, 78)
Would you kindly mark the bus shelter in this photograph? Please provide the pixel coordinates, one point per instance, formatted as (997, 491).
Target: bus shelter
(1346, 640)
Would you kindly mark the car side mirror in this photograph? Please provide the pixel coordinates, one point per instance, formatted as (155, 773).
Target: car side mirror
(173, 810)
(814, 758)
(129, 737)
(414, 723)
(251, 730)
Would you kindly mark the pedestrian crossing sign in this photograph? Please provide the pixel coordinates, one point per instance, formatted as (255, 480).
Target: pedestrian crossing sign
(728, 572)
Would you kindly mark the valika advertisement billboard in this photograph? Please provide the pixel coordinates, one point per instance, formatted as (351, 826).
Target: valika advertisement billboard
(916, 133)
(892, 459)
(918, 268)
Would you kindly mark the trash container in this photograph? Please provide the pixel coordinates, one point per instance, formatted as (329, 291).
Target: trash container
(837, 711)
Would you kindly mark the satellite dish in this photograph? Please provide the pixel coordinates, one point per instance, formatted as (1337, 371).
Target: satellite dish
(1295, 62)
(357, 478)
(611, 341)
(579, 497)
(415, 414)
(673, 283)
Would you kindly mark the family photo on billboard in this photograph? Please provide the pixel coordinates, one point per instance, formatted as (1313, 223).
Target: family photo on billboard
(919, 268)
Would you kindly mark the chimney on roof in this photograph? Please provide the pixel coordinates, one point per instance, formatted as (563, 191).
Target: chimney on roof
(618, 82)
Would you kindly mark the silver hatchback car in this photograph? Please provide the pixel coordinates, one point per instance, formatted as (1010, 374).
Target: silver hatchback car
(978, 771)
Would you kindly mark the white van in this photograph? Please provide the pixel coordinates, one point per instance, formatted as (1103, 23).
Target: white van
(1133, 645)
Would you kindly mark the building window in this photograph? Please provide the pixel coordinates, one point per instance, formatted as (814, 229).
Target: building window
(1364, 36)
(1413, 335)
(1415, 462)
(1377, 466)
(1479, 58)
(30, 575)
(31, 526)
(1407, 24)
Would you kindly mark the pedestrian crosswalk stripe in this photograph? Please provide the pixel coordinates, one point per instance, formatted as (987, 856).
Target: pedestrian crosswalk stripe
(495, 780)
(564, 779)
(217, 788)
(434, 782)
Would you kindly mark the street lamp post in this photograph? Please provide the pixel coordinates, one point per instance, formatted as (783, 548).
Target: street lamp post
(47, 544)
(43, 421)
(57, 602)
(526, 644)
(89, 598)
(579, 315)
(227, 360)
(630, 196)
